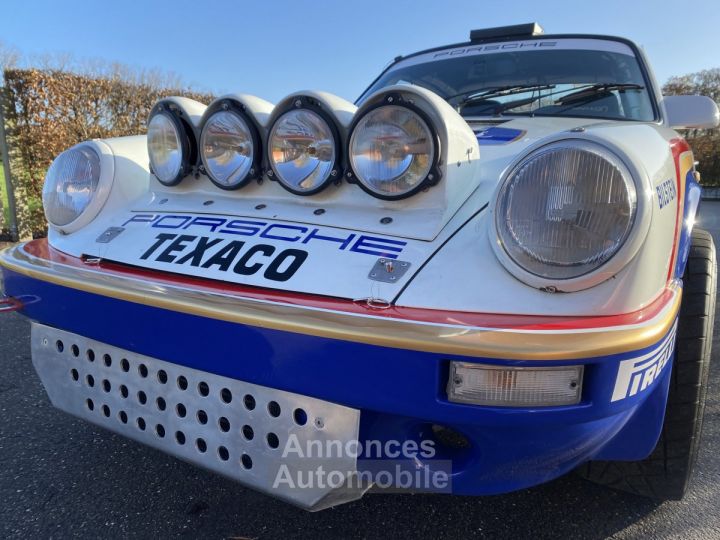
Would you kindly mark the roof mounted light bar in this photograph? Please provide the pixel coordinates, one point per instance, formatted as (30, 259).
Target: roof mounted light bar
(516, 30)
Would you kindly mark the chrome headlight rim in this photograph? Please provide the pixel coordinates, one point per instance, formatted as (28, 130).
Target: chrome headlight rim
(238, 109)
(434, 174)
(313, 105)
(102, 191)
(186, 136)
(633, 241)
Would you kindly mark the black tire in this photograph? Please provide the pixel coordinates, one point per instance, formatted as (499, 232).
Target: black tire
(666, 473)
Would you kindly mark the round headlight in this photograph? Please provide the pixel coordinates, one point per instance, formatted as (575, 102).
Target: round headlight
(70, 184)
(566, 209)
(165, 148)
(302, 151)
(392, 151)
(227, 148)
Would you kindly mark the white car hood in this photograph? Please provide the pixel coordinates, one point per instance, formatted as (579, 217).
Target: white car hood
(286, 242)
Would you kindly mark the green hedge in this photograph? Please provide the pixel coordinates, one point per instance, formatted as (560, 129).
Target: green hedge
(48, 111)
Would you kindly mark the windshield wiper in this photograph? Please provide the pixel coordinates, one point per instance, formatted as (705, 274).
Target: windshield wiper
(496, 109)
(583, 94)
(502, 107)
(589, 93)
(499, 91)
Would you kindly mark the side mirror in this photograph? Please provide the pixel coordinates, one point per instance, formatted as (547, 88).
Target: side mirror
(691, 112)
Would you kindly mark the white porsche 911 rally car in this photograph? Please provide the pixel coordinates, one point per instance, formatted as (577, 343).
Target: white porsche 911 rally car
(484, 273)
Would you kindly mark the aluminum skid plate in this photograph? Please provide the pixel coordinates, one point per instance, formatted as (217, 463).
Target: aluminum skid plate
(231, 427)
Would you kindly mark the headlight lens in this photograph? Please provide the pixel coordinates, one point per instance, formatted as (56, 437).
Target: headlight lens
(70, 184)
(165, 148)
(566, 210)
(227, 149)
(392, 151)
(302, 150)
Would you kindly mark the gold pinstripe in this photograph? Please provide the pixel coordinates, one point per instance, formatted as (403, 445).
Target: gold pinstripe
(387, 332)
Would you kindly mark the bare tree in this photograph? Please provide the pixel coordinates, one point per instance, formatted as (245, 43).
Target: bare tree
(705, 83)
(9, 58)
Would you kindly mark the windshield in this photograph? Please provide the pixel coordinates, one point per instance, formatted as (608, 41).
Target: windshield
(562, 77)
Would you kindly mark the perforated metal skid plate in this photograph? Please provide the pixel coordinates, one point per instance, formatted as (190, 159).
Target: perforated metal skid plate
(231, 427)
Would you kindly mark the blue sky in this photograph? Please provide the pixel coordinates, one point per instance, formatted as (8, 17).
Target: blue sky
(271, 48)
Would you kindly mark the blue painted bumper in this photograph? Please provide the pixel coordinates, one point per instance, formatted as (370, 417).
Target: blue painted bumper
(401, 393)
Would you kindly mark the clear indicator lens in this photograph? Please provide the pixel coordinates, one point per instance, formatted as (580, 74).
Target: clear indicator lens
(227, 148)
(565, 211)
(391, 150)
(164, 148)
(481, 384)
(302, 150)
(70, 184)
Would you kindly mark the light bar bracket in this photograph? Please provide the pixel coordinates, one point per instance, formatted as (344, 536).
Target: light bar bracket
(516, 30)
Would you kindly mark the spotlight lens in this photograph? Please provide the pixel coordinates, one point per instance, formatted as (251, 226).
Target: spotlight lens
(302, 150)
(391, 150)
(227, 148)
(164, 148)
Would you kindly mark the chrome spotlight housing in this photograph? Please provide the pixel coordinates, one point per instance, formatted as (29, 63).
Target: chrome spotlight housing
(171, 144)
(394, 149)
(304, 150)
(230, 145)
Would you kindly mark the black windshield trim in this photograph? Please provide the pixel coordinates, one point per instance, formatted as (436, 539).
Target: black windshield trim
(639, 56)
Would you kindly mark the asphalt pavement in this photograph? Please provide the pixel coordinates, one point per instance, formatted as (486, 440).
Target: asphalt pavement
(60, 478)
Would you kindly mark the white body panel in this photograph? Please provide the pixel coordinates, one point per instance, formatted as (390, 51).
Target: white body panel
(193, 110)
(257, 107)
(464, 275)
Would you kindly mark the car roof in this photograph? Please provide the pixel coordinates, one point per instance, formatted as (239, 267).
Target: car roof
(505, 39)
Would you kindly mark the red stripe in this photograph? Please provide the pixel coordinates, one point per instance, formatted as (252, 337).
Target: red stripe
(41, 249)
(678, 146)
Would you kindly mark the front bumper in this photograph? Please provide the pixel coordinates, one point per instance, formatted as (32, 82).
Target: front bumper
(391, 368)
